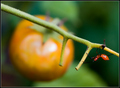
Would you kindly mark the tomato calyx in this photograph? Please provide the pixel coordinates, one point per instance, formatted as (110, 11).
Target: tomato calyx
(47, 33)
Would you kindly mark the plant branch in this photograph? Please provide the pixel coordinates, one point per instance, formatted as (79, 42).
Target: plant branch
(111, 51)
(31, 18)
(83, 58)
(57, 29)
(63, 49)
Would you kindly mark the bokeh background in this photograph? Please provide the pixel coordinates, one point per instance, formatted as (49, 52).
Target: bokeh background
(94, 21)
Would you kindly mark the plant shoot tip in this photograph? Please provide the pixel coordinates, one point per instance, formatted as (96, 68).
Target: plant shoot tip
(76, 68)
(60, 64)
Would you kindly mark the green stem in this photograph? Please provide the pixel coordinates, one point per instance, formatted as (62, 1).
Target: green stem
(43, 23)
(51, 26)
(31, 18)
(63, 49)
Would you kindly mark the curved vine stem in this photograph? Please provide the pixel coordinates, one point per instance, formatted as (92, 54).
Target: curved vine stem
(51, 26)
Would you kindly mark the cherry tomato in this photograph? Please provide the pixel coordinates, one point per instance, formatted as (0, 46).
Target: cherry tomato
(35, 59)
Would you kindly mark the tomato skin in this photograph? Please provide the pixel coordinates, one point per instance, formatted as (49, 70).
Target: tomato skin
(35, 60)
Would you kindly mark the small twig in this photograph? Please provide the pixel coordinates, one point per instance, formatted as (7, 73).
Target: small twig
(62, 51)
(111, 51)
(83, 58)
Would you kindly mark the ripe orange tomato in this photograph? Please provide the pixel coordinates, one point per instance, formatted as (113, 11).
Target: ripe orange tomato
(36, 60)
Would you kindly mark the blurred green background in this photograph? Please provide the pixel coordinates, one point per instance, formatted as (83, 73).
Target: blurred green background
(94, 21)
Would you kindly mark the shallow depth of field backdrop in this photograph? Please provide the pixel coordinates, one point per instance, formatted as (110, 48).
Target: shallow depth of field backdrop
(94, 21)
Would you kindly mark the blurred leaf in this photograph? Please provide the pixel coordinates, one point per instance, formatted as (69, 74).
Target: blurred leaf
(84, 77)
(67, 9)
